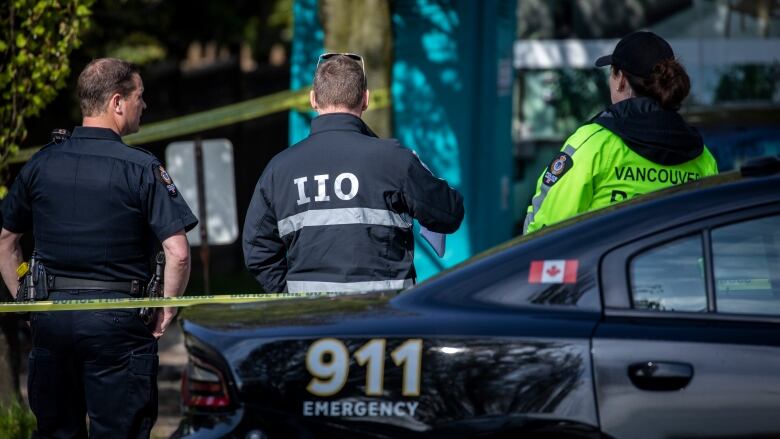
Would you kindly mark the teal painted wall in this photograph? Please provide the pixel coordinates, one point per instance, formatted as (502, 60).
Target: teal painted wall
(452, 103)
(307, 46)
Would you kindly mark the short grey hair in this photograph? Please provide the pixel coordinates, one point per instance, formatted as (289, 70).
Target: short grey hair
(100, 79)
(340, 82)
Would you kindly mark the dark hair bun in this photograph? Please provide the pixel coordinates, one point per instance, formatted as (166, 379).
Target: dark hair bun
(669, 84)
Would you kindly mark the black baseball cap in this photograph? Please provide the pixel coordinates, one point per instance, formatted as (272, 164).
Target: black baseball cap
(637, 53)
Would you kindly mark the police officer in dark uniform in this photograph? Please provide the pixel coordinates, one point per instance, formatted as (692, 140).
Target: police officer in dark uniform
(96, 208)
(334, 212)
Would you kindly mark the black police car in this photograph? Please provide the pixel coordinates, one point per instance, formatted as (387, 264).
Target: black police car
(658, 318)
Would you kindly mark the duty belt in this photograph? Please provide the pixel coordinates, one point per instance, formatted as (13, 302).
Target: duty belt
(133, 287)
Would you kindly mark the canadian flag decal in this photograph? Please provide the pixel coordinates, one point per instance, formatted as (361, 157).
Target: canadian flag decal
(554, 271)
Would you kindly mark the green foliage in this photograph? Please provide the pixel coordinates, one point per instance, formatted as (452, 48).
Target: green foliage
(556, 102)
(282, 14)
(172, 25)
(748, 83)
(582, 95)
(16, 422)
(273, 25)
(36, 37)
(138, 48)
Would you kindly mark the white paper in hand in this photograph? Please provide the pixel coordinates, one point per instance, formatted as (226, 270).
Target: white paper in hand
(437, 241)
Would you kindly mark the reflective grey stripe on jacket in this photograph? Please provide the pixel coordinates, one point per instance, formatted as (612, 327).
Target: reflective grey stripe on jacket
(331, 217)
(302, 286)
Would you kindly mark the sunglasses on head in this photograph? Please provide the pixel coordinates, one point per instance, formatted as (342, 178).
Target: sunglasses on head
(353, 56)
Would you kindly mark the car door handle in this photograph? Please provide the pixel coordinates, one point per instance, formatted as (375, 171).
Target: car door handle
(660, 375)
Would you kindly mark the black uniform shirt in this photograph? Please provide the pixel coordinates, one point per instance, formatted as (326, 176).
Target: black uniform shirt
(96, 206)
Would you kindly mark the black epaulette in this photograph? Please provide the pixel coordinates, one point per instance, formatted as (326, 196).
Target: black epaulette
(60, 135)
(138, 148)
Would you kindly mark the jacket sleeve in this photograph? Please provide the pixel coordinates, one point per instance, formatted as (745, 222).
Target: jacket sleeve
(265, 254)
(564, 190)
(430, 200)
(165, 210)
(712, 168)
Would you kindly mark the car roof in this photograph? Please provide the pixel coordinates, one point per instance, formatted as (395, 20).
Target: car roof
(757, 182)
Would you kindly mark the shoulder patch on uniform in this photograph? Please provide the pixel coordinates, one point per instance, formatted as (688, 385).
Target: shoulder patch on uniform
(60, 135)
(558, 166)
(164, 178)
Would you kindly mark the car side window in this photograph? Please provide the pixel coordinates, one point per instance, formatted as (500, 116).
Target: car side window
(670, 277)
(746, 265)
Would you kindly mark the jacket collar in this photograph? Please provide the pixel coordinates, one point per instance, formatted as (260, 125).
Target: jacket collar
(661, 136)
(340, 122)
(631, 107)
(96, 133)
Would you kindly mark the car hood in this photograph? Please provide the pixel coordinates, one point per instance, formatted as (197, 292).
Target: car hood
(285, 311)
(265, 347)
(275, 317)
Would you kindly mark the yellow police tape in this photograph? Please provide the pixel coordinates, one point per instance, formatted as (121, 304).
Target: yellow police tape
(183, 301)
(222, 116)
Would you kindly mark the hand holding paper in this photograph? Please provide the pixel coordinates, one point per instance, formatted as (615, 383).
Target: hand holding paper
(437, 241)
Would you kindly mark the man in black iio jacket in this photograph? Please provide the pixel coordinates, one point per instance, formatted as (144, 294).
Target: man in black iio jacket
(334, 212)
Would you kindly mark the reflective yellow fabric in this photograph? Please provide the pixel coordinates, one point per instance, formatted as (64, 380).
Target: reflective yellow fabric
(604, 170)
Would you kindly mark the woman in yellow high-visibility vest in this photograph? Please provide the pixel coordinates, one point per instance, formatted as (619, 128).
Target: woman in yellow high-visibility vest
(637, 145)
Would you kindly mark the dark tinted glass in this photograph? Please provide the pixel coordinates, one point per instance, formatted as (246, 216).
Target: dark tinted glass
(670, 277)
(746, 260)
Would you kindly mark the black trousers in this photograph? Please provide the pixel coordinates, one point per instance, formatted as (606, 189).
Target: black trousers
(101, 364)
